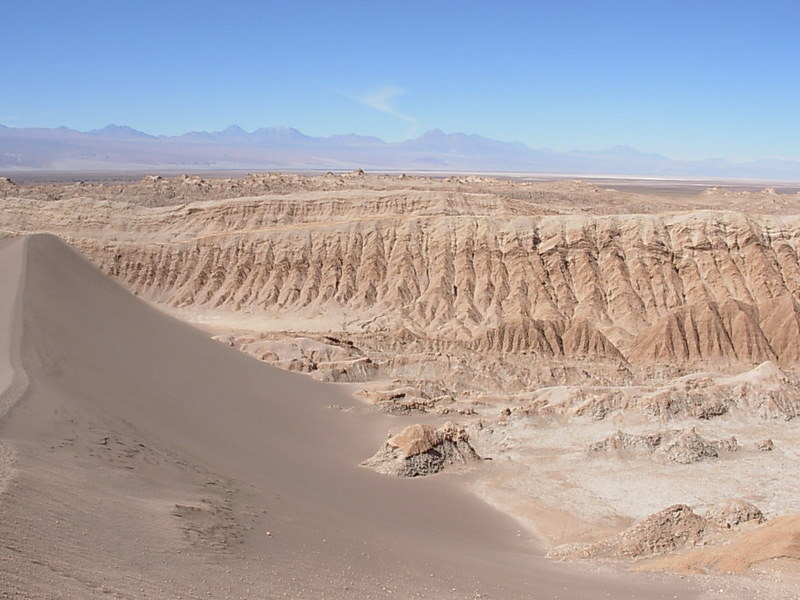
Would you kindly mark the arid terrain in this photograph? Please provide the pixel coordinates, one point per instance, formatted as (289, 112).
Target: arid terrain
(501, 388)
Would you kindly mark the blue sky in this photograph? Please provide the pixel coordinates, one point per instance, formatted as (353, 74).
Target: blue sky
(702, 79)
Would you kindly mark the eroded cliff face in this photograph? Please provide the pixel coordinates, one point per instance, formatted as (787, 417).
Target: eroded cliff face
(482, 271)
(652, 289)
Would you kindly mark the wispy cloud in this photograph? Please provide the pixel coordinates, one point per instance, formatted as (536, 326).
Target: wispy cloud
(383, 98)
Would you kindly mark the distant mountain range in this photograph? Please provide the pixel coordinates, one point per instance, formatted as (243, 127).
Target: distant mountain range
(118, 148)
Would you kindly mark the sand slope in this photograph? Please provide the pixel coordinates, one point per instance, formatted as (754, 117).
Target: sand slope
(151, 461)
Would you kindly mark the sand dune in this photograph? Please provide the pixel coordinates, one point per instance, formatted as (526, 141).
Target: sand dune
(151, 461)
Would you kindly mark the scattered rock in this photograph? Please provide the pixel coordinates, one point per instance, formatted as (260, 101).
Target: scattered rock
(683, 446)
(420, 450)
(765, 445)
(766, 392)
(409, 397)
(627, 442)
(687, 446)
(397, 402)
(734, 512)
(228, 340)
(673, 528)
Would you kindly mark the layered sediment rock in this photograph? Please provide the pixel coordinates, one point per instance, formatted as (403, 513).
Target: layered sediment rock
(480, 269)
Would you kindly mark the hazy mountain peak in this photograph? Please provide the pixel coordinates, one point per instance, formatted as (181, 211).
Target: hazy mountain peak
(280, 133)
(432, 134)
(233, 130)
(625, 150)
(119, 132)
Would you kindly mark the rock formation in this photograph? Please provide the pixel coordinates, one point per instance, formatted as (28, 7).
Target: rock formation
(423, 450)
(670, 529)
(734, 512)
(674, 528)
(765, 391)
(469, 267)
(681, 446)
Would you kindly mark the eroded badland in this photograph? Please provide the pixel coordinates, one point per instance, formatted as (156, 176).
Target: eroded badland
(616, 370)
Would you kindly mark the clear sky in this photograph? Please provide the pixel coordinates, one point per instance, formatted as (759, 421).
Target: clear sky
(699, 79)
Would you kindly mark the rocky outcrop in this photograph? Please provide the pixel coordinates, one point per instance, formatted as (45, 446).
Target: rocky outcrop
(765, 445)
(405, 398)
(420, 450)
(734, 512)
(681, 446)
(771, 547)
(671, 529)
(766, 391)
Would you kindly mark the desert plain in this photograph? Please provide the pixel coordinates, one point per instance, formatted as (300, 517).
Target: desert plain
(351, 385)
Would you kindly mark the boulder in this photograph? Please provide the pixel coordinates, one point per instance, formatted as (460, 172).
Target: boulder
(420, 450)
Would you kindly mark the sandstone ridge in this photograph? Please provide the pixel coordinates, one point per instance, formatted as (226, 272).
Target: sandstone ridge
(464, 269)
